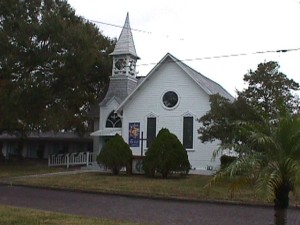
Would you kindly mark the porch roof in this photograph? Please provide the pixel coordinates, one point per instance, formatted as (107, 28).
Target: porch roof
(51, 135)
(107, 132)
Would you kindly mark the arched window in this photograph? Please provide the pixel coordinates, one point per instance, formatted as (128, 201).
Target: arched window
(113, 120)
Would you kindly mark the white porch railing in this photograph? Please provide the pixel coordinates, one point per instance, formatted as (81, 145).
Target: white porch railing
(70, 159)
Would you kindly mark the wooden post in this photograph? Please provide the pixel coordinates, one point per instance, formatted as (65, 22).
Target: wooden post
(142, 139)
(87, 158)
(142, 144)
(67, 158)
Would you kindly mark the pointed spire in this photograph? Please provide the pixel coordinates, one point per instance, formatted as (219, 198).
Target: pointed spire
(125, 44)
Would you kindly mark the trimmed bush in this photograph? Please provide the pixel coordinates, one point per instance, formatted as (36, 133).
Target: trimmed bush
(166, 155)
(115, 154)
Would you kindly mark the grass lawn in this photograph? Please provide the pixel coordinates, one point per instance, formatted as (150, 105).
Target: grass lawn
(27, 167)
(22, 216)
(190, 187)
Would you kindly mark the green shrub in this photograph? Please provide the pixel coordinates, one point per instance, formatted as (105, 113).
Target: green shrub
(166, 155)
(226, 160)
(115, 154)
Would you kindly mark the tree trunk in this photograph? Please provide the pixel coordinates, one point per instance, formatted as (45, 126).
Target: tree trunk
(165, 174)
(281, 203)
(280, 217)
(115, 170)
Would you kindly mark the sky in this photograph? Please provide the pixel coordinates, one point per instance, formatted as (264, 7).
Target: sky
(193, 30)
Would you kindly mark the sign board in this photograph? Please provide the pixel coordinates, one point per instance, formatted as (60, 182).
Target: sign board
(137, 165)
(134, 135)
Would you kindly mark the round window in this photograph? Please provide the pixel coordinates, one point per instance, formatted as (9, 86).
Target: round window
(170, 99)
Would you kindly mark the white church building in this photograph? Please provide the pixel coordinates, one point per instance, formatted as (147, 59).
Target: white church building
(171, 96)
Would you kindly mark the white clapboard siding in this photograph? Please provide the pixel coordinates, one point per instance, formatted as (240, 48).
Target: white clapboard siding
(192, 100)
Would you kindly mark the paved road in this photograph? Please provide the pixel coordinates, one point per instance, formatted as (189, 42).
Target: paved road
(140, 209)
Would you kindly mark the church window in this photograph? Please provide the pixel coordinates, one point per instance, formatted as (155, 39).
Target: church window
(170, 99)
(188, 132)
(151, 130)
(120, 64)
(132, 66)
(113, 120)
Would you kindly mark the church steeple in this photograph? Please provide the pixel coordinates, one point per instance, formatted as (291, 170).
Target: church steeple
(123, 80)
(124, 54)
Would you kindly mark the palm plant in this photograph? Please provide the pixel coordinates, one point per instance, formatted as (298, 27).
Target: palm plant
(271, 158)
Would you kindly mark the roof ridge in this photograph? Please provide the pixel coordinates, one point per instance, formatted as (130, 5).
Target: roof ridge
(202, 76)
(195, 71)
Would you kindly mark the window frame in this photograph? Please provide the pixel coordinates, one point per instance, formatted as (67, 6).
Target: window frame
(153, 133)
(115, 123)
(188, 141)
(163, 96)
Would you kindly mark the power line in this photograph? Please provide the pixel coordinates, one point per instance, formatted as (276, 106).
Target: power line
(202, 58)
(119, 26)
(133, 29)
(230, 55)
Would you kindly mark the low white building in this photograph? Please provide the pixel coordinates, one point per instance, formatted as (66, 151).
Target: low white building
(172, 96)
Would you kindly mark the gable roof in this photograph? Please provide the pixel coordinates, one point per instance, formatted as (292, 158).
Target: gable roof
(125, 44)
(209, 86)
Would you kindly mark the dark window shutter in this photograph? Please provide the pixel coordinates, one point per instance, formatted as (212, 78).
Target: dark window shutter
(188, 132)
(151, 130)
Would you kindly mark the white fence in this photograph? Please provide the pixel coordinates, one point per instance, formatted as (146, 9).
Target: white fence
(70, 159)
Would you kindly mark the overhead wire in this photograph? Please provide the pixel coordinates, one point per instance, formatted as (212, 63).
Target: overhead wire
(133, 29)
(230, 55)
(201, 58)
(119, 26)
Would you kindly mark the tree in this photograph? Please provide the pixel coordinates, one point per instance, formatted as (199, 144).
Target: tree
(115, 154)
(262, 126)
(166, 155)
(269, 91)
(53, 66)
(269, 96)
(276, 167)
(222, 121)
